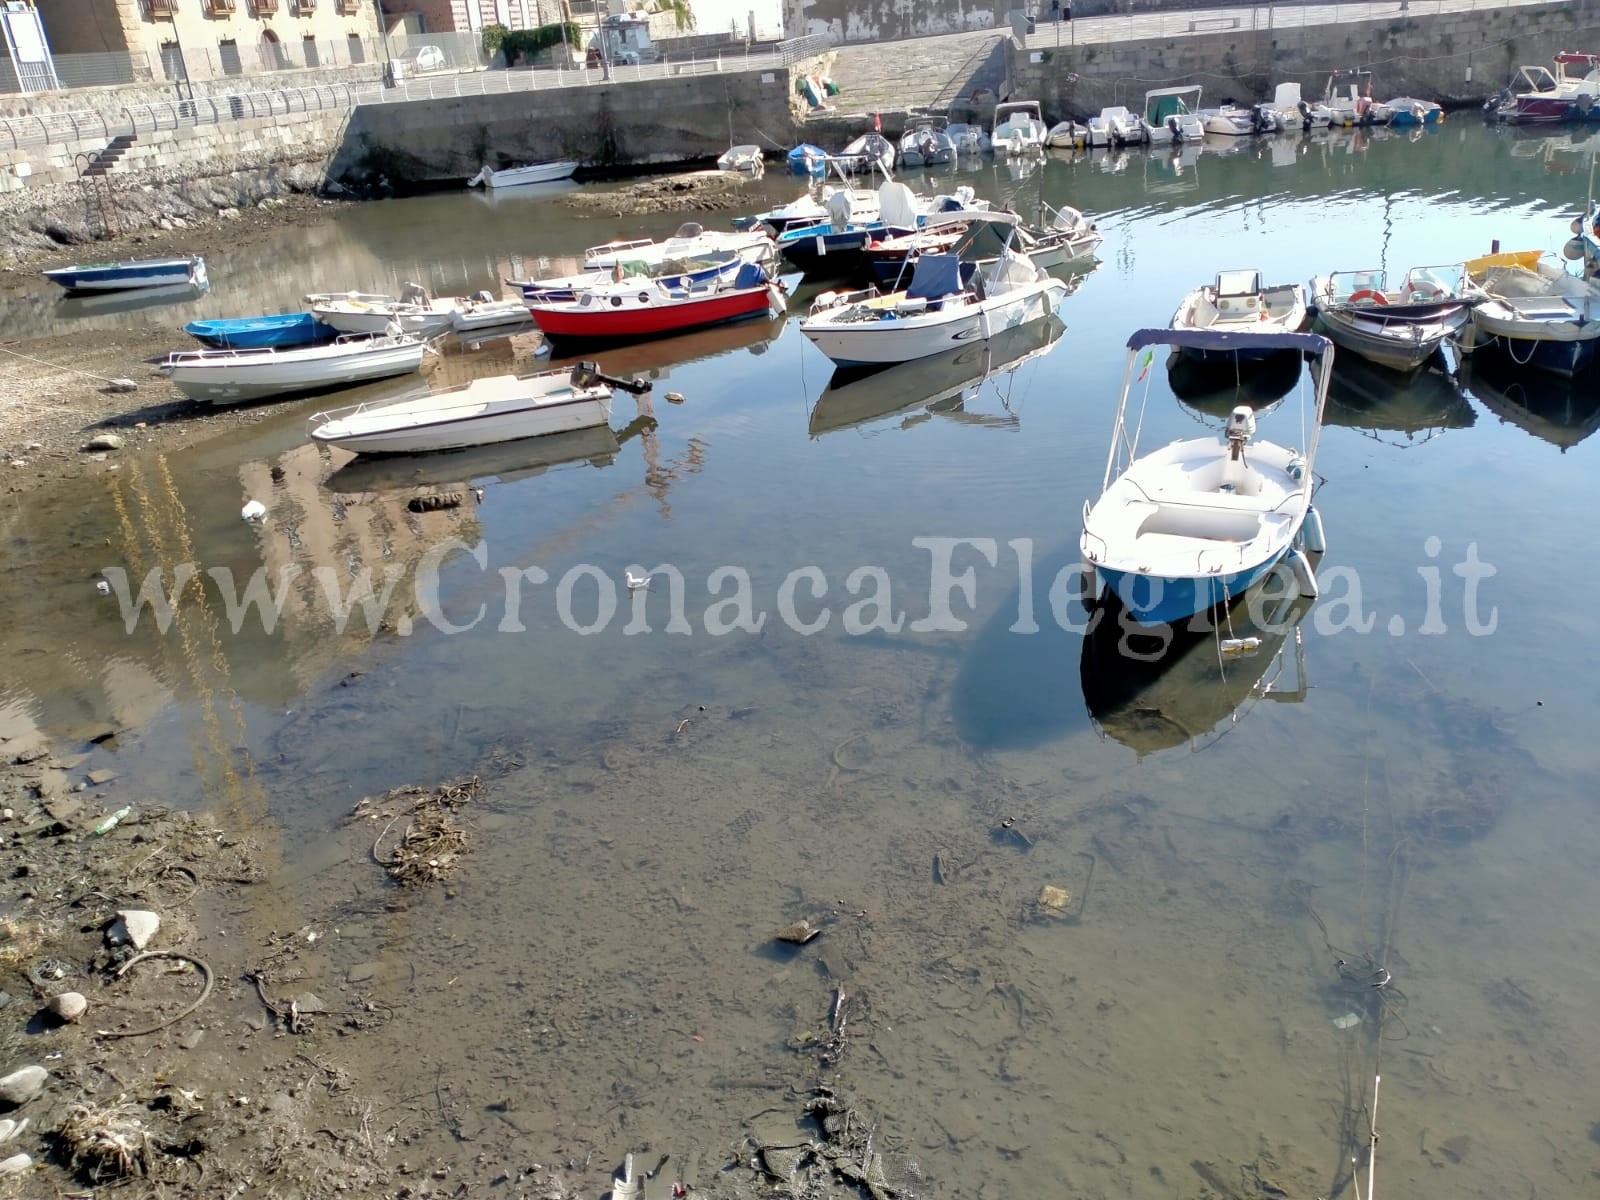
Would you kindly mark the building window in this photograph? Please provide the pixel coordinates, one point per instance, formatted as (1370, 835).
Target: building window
(171, 61)
(358, 49)
(313, 59)
(273, 56)
(228, 54)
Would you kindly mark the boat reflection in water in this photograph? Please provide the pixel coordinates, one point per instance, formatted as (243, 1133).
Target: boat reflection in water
(506, 462)
(942, 384)
(1157, 690)
(99, 304)
(1362, 395)
(1560, 411)
(1216, 387)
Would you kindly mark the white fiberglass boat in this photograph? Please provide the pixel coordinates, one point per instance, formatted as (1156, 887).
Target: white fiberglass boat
(415, 312)
(1067, 135)
(545, 172)
(501, 408)
(1195, 523)
(1293, 112)
(1067, 236)
(1350, 102)
(1541, 314)
(236, 376)
(1232, 120)
(1172, 115)
(690, 241)
(947, 303)
(745, 160)
(1237, 301)
(1019, 129)
(1400, 328)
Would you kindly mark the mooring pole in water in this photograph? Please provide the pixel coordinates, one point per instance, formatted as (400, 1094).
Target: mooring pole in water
(1494, 246)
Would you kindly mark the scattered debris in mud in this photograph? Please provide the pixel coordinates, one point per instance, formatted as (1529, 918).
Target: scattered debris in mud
(433, 840)
(697, 191)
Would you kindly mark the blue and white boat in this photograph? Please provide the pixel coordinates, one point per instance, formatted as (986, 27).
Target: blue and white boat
(252, 333)
(1540, 313)
(806, 159)
(1408, 110)
(1195, 523)
(130, 274)
(839, 247)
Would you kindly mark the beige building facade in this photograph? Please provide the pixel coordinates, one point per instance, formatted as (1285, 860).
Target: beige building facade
(203, 39)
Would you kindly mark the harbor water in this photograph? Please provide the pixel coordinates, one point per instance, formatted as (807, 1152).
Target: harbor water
(1364, 846)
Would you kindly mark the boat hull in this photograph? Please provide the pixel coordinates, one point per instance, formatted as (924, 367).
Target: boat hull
(482, 429)
(1559, 357)
(877, 344)
(129, 276)
(550, 172)
(1398, 345)
(833, 253)
(1153, 600)
(244, 378)
(594, 322)
(376, 320)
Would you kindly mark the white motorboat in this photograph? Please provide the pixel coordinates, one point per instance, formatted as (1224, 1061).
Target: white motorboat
(1098, 131)
(1294, 112)
(926, 141)
(1349, 100)
(1124, 128)
(1195, 523)
(1067, 236)
(970, 140)
(1232, 120)
(746, 160)
(1539, 96)
(415, 312)
(236, 376)
(501, 408)
(946, 304)
(690, 241)
(1172, 115)
(871, 152)
(1400, 328)
(544, 172)
(1067, 135)
(1540, 313)
(1019, 129)
(483, 311)
(1238, 302)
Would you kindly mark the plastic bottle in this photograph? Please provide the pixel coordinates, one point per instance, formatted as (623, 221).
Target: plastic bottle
(113, 820)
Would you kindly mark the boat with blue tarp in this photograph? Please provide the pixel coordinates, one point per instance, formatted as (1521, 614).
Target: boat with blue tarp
(252, 333)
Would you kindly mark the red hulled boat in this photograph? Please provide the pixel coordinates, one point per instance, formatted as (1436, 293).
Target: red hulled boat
(648, 308)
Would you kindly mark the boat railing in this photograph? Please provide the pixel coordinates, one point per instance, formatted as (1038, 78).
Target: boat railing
(617, 248)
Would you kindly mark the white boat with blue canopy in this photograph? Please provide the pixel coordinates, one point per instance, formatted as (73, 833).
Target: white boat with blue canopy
(1193, 524)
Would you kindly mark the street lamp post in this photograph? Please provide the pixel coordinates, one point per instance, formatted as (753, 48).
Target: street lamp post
(383, 32)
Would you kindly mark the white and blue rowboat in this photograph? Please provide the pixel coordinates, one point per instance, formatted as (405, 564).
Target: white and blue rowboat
(130, 274)
(237, 376)
(252, 333)
(1195, 523)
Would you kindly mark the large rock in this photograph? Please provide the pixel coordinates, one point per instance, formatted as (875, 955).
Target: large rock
(17, 1164)
(134, 927)
(67, 1007)
(104, 441)
(22, 1085)
(10, 1128)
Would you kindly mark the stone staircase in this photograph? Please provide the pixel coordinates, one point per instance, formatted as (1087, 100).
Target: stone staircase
(924, 73)
(102, 162)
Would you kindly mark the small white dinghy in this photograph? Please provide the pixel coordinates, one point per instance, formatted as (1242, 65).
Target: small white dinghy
(743, 160)
(1240, 303)
(544, 172)
(501, 408)
(415, 312)
(237, 376)
(1195, 523)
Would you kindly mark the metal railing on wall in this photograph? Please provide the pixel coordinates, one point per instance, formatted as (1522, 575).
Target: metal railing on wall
(55, 128)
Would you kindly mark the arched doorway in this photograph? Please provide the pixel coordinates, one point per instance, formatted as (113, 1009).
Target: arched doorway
(273, 56)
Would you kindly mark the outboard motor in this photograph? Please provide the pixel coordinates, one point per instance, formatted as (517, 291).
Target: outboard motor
(1240, 429)
(1305, 113)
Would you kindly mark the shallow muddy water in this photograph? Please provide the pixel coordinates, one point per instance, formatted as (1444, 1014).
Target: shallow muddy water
(1247, 846)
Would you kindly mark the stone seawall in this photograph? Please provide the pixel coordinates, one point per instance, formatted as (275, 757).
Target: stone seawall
(1455, 58)
(162, 178)
(643, 123)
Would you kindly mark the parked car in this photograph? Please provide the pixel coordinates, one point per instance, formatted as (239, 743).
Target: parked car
(424, 59)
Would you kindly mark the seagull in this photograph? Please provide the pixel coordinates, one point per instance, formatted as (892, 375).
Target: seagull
(636, 583)
(254, 511)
